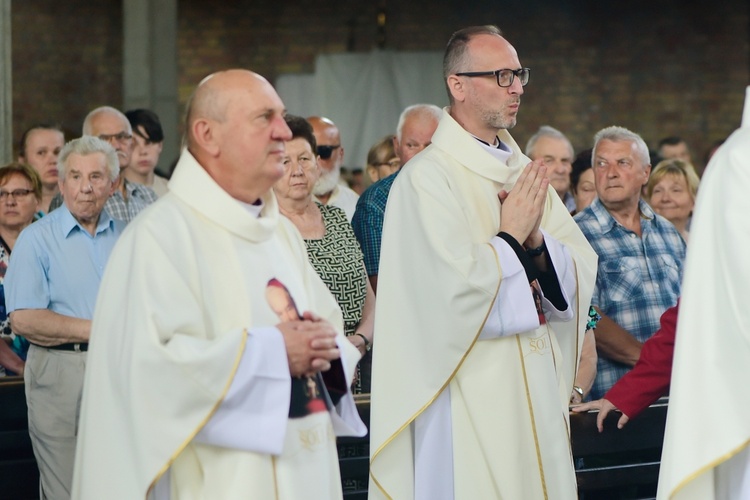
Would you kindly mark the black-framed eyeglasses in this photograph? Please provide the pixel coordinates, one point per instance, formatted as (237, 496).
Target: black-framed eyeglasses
(504, 76)
(325, 152)
(121, 137)
(15, 194)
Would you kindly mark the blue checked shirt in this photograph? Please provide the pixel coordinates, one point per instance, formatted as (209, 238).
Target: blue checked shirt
(368, 221)
(637, 278)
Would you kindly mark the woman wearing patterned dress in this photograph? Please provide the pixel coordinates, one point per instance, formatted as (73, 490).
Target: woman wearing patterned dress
(331, 245)
(20, 196)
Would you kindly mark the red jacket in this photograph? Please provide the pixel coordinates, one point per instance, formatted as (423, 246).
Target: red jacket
(649, 379)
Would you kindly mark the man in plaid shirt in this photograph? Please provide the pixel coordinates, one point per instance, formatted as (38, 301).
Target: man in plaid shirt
(641, 254)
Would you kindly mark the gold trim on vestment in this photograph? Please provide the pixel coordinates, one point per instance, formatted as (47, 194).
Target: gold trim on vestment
(275, 481)
(579, 351)
(579, 347)
(163, 470)
(706, 467)
(531, 414)
(450, 378)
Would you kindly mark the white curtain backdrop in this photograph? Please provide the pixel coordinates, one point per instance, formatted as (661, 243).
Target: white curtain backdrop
(364, 93)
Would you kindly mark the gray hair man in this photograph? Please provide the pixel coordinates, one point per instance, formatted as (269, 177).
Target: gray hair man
(329, 190)
(556, 152)
(416, 124)
(640, 253)
(51, 288)
(128, 198)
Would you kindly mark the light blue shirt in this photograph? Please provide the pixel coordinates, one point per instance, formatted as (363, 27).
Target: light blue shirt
(57, 265)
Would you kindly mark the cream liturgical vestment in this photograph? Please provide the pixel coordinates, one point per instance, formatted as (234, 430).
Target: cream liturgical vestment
(187, 389)
(501, 396)
(706, 453)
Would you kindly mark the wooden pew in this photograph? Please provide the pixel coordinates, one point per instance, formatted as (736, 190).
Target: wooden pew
(611, 463)
(354, 456)
(618, 459)
(607, 463)
(19, 475)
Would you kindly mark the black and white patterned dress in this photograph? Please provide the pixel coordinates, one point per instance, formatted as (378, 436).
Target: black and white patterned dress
(338, 260)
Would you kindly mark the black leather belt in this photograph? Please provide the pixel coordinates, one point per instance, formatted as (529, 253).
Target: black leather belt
(83, 347)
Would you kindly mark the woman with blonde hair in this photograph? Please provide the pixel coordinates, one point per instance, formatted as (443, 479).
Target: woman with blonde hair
(382, 160)
(671, 191)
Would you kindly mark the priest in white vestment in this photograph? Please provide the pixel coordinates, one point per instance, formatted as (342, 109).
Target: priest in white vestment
(195, 385)
(706, 455)
(482, 304)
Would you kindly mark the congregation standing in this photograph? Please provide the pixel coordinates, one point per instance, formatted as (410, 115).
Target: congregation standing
(475, 289)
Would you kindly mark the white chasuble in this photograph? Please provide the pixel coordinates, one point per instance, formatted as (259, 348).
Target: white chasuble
(440, 276)
(705, 453)
(183, 344)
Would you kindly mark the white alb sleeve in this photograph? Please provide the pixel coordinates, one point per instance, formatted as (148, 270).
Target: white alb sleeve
(566, 277)
(513, 310)
(253, 415)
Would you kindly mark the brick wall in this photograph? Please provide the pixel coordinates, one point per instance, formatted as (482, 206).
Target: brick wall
(660, 68)
(67, 60)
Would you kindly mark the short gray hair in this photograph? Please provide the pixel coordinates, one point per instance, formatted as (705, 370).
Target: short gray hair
(86, 129)
(547, 131)
(87, 145)
(619, 134)
(421, 110)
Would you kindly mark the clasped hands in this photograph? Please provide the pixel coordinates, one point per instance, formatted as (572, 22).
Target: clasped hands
(310, 344)
(523, 206)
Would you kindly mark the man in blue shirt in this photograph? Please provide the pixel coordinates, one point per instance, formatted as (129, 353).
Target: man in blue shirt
(414, 132)
(641, 255)
(51, 287)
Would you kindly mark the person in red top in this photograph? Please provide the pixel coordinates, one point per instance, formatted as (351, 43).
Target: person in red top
(646, 382)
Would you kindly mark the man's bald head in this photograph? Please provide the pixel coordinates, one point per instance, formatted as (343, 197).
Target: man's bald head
(235, 129)
(211, 98)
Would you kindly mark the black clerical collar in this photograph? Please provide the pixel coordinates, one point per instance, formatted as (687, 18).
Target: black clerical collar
(488, 144)
(500, 145)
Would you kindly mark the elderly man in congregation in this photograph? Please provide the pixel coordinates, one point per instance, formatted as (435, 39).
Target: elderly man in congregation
(51, 287)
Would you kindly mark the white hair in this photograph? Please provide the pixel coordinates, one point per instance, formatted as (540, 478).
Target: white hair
(87, 145)
(547, 131)
(619, 134)
(421, 110)
(86, 129)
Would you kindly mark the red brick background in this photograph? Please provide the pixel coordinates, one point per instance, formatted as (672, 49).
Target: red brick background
(660, 68)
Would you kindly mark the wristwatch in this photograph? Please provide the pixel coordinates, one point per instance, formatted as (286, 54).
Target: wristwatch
(578, 390)
(536, 252)
(368, 345)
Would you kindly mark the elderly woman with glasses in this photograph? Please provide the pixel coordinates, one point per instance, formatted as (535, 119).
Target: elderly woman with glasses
(20, 197)
(332, 248)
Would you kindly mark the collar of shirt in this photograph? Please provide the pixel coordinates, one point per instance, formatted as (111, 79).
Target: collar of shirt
(608, 222)
(502, 152)
(252, 208)
(68, 223)
(133, 187)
